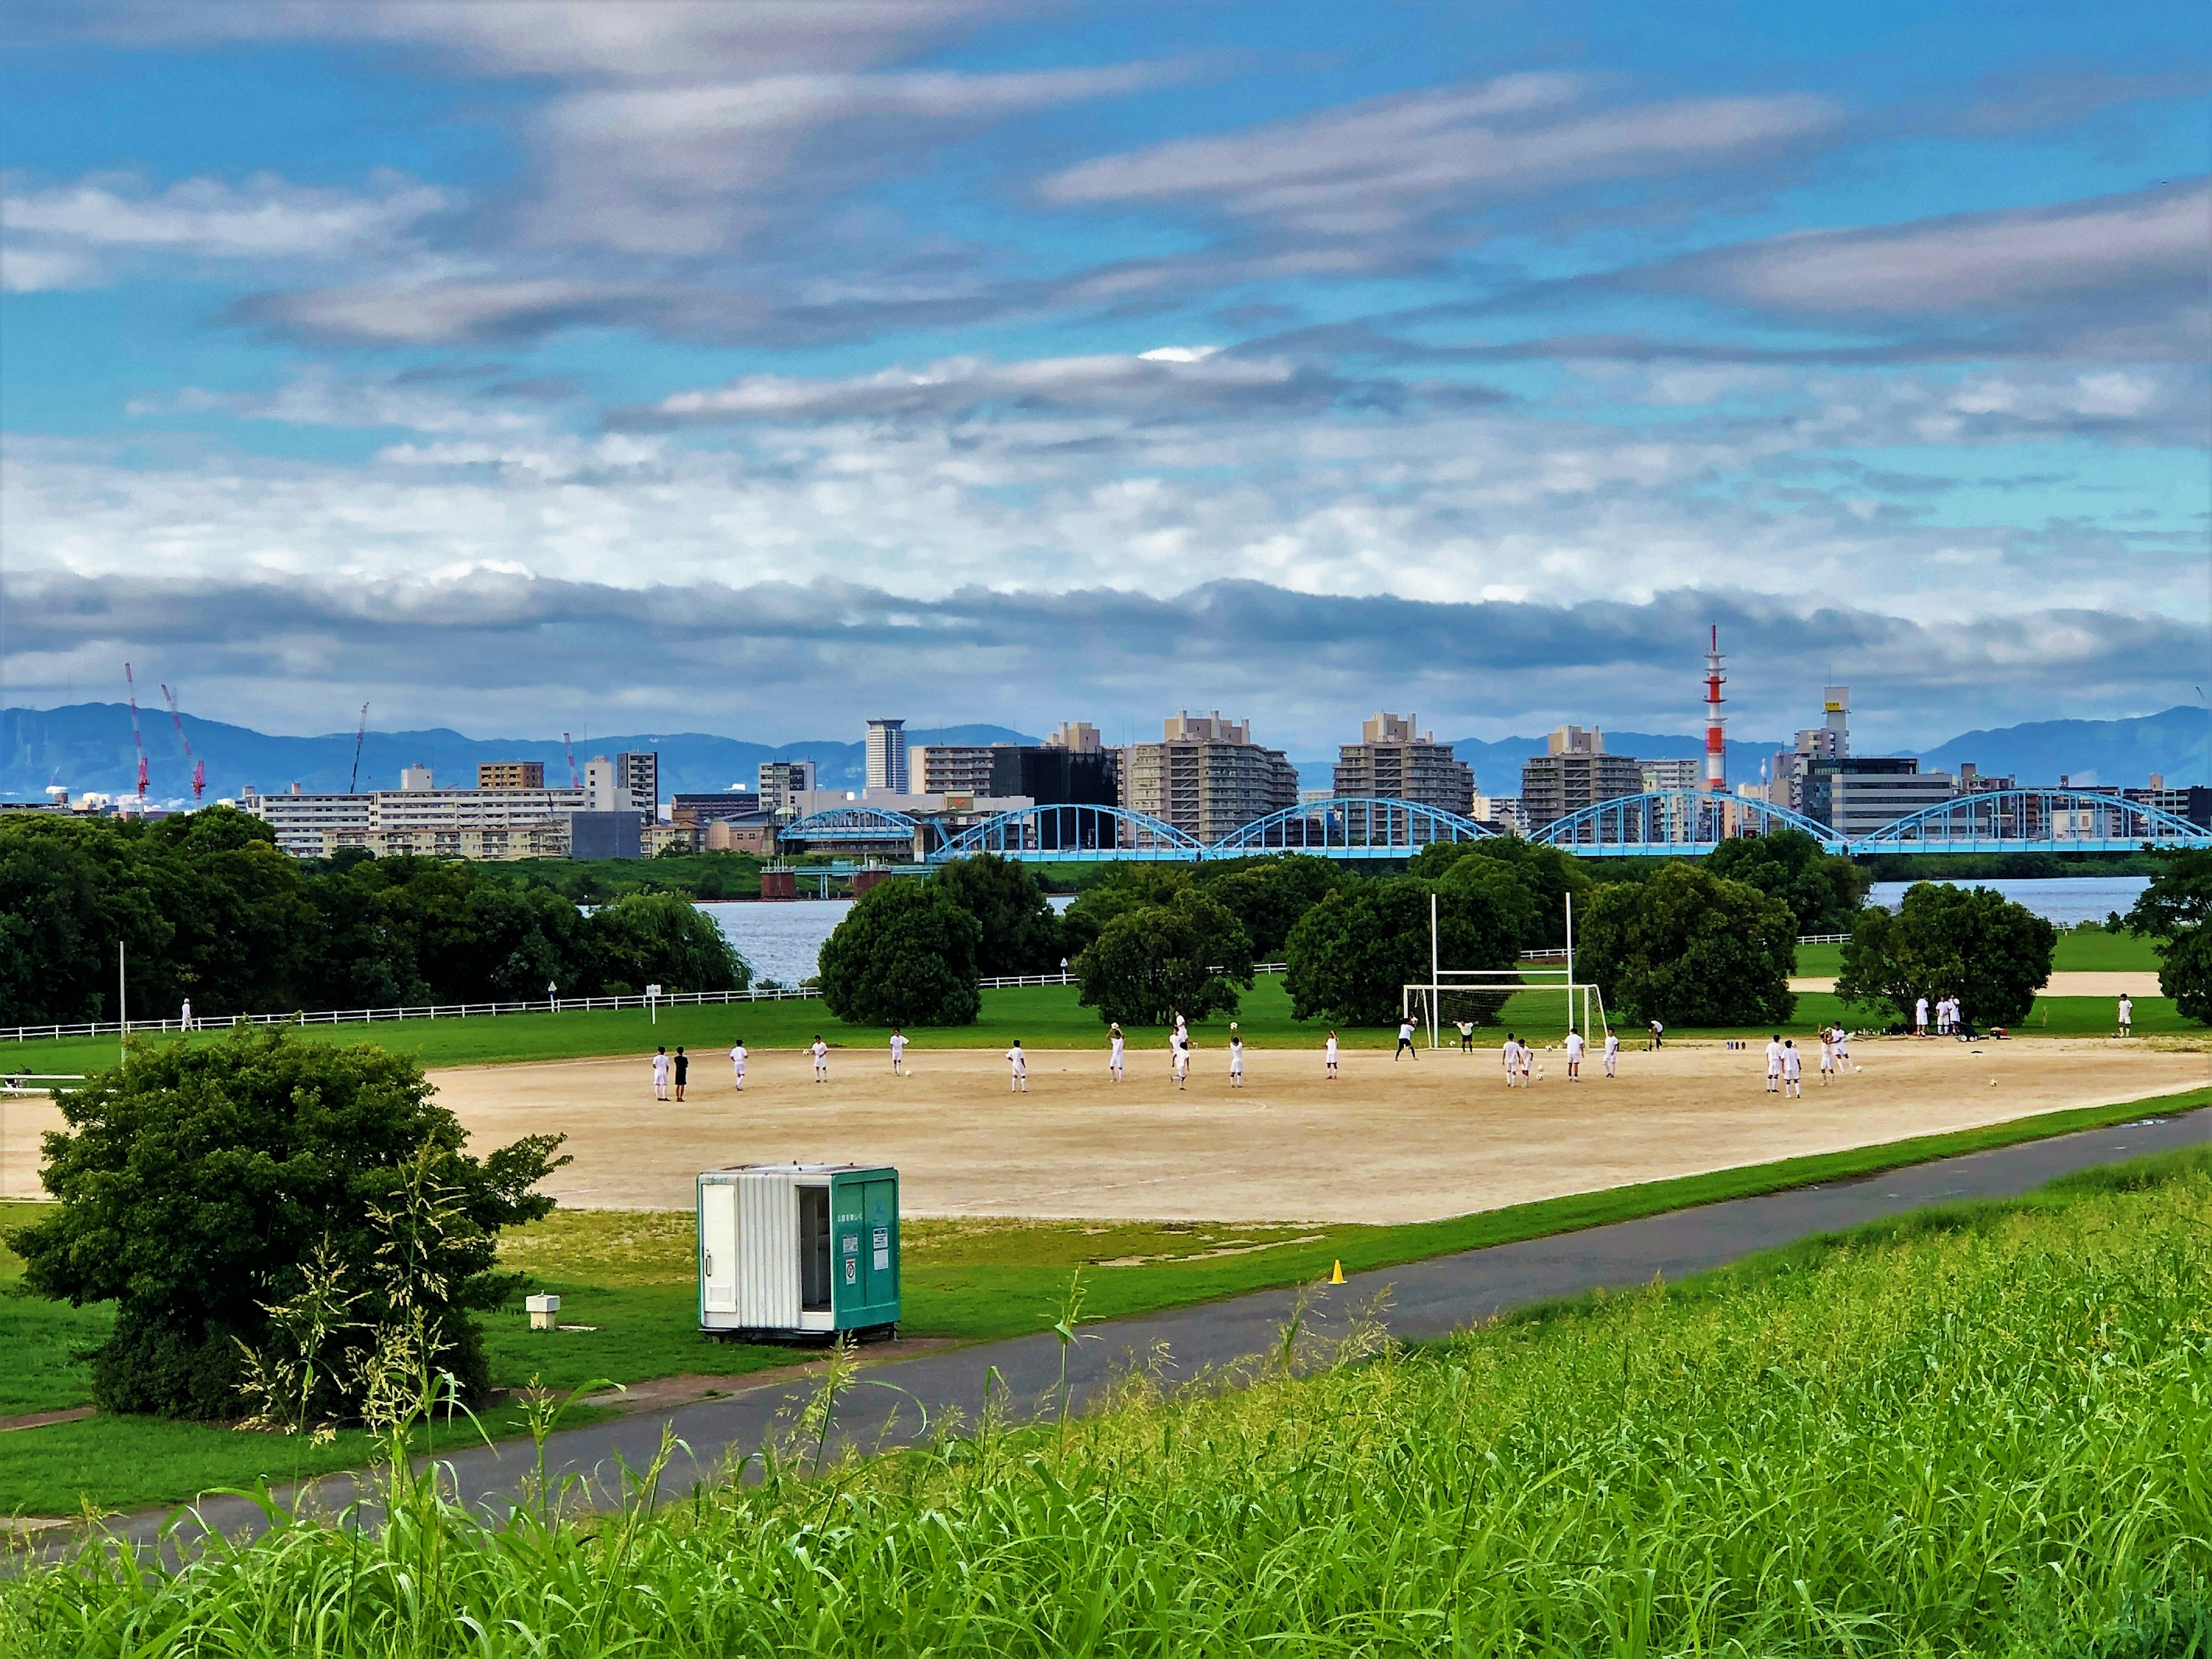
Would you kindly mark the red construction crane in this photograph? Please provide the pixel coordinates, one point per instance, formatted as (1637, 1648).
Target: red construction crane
(576, 778)
(359, 738)
(199, 766)
(138, 741)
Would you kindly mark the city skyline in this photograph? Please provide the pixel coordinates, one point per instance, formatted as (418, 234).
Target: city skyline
(754, 368)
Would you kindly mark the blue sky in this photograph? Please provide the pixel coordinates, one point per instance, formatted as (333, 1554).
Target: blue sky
(815, 360)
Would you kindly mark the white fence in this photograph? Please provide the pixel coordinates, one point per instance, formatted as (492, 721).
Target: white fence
(487, 1009)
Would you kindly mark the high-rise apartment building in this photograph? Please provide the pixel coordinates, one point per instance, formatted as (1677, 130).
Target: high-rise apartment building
(1573, 773)
(951, 768)
(1205, 776)
(1394, 761)
(511, 774)
(624, 783)
(1077, 736)
(782, 783)
(887, 772)
(1660, 775)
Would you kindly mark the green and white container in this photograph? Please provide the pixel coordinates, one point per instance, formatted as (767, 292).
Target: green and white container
(799, 1251)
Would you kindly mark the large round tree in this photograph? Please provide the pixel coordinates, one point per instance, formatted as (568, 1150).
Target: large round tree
(201, 1185)
(1352, 955)
(904, 955)
(1188, 955)
(1689, 948)
(1970, 942)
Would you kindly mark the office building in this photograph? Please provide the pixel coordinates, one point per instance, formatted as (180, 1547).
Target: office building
(951, 768)
(511, 774)
(1205, 776)
(1574, 772)
(423, 818)
(1660, 775)
(706, 808)
(417, 776)
(1051, 775)
(1787, 776)
(1858, 794)
(1392, 762)
(886, 757)
(624, 783)
(781, 783)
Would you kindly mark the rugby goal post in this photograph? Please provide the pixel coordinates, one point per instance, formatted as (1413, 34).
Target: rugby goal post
(1589, 1017)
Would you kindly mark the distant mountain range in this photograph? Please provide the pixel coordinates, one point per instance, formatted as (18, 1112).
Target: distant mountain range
(87, 746)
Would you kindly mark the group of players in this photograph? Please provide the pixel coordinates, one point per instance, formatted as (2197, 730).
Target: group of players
(1785, 1066)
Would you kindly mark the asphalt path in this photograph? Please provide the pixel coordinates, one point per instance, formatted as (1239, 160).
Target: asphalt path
(1415, 1301)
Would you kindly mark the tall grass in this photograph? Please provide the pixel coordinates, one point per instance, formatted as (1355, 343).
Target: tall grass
(1990, 1434)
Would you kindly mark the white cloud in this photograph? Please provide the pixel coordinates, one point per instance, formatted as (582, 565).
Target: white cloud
(75, 234)
(1369, 167)
(2153, 239)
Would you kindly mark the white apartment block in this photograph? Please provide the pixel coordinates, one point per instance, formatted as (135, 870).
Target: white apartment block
(949, 768)
(311, 826)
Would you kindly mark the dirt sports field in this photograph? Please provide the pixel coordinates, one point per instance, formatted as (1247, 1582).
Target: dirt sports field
(1400, 1141)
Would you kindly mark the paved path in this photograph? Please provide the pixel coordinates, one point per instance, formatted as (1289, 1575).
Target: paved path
(1427, 1299)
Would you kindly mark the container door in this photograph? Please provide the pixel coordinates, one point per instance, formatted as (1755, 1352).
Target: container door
(881, 1207)
(866, 1228)
(718, 1247)
(814, 1249)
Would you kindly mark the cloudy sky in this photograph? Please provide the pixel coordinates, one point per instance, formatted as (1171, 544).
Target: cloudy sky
(751, 367)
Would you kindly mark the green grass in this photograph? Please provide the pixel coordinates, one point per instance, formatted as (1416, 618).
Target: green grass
(1042, 1016)
(630, 1275)
(2078, 952)
(1981, 1432)
(38, 1336)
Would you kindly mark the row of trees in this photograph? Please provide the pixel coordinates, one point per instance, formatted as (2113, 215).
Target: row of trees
(207, 907)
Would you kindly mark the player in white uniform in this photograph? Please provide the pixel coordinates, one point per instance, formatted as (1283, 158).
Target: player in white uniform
(1828, 1054)
(1329, 1054)
(1179, 1063)
(1793, 1071)
(1774, 1063)
(898, 1051)
(820, 1050)
(1920, 1017)
(1575, 1056)
(1843, 1048)
(1529, 1072)
(1511, 1053)
(1236, 1062)
(1116, 1048)
(2127, 1015)
(1612, 1054)
(1017, 1069)
(737, 1064)
(661, 1075)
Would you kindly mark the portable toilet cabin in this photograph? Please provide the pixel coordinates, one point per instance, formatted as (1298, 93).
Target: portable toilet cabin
(797, 1251)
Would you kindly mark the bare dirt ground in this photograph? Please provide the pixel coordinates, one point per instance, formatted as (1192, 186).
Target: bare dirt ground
(1389, 1142)
(2081, 982)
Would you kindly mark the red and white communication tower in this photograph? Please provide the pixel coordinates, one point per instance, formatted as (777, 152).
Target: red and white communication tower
(1716, 739)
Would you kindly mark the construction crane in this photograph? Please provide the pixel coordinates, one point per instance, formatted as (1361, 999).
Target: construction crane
(576, 778)
(138, 741)
(360, 736)
(199, 766)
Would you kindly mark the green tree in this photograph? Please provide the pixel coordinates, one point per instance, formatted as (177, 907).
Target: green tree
(1151, 961)
(1547, 874)
(904, 955)
(1020, 934)
(1120, 888)
(1822, 891)
(69, 893)
(1268, 895)
(2176, 910)
(197, 1183)
(1689, 948)
(1352, 955)
(1971, 942)
(660, 938)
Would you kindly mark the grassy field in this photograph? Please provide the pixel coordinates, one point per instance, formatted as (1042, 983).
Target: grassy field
(631, 1276)
(1042, 1016)
(1978, 1431)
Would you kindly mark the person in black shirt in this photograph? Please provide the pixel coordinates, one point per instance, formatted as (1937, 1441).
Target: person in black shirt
(683, 1070)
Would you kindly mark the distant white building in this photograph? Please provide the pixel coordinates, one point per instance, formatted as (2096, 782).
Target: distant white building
(887, 757)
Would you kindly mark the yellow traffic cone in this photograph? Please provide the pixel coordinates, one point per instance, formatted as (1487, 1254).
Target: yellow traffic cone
(1336, 1275)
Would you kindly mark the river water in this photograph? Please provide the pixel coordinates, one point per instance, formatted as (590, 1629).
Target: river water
(2056, 898)
(783, 941)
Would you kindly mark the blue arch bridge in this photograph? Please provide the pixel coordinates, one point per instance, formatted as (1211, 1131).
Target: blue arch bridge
(1663, 823)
